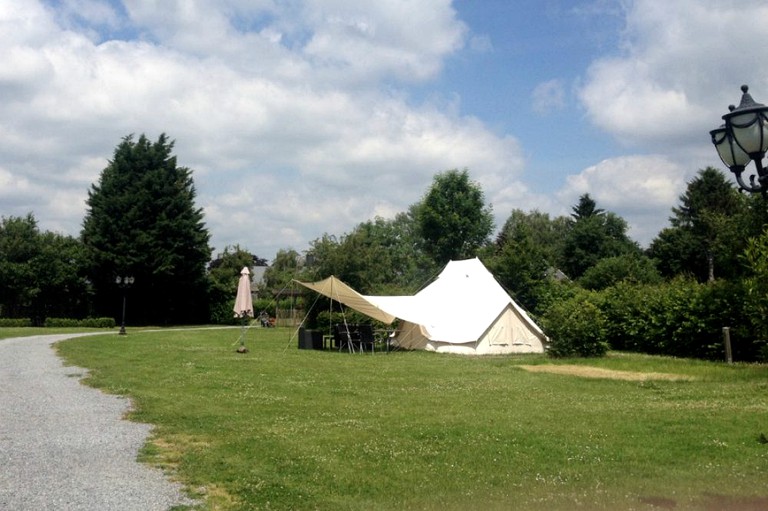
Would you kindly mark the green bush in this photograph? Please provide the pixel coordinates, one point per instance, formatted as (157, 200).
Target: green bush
(632, 268)
(15, 322)
(624, 309)
(222, 313)
(80, 323)
(326, 319)
(681, 318)
(61, 323)
(762, 352)
(99, 322)
(264, 304)
(576, 327)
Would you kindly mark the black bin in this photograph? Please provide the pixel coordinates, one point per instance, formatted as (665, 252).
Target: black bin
(310, 339)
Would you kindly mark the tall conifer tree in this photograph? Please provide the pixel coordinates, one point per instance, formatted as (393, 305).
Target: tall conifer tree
(704, 237)
(142, 221)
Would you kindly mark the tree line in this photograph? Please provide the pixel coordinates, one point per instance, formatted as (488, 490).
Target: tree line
(590, 285)
(581, 276)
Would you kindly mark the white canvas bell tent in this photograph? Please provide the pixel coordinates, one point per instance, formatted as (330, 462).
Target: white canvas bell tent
(463, 311)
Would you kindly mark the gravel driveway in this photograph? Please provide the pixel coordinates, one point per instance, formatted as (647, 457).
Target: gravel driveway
(64, 446)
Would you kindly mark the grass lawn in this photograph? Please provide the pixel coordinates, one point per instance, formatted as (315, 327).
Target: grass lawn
(282, 428)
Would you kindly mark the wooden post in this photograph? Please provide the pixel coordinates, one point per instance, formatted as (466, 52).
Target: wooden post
(727, 342)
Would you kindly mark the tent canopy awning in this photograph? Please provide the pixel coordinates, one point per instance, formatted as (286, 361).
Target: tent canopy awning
(337, 290)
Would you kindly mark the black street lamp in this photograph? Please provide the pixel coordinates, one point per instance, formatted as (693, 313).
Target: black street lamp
(744, 138)
(123, 283)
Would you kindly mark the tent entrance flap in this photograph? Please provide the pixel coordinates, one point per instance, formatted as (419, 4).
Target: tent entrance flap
(337, 290)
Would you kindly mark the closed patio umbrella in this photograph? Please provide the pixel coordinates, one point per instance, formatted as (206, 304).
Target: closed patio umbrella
(243, 304)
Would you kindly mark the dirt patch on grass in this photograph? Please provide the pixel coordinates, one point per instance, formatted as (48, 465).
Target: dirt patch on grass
(608, 374)
(166, 453)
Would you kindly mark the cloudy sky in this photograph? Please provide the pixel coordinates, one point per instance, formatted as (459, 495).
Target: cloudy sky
(304, 117)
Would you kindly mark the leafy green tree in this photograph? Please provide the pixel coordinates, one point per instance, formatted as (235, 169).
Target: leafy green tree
(324, 258)
(547, 233)
(233, 255)
(19, 244)
(142, 221)
(526, 249)
(706, 234)
(756, 286)
(40, 273)
(383, 256)
(223, 276)
(453, 218)
(633, 268)
(392, 260)
(285, 267)
(410, 265)
(672, 250)
(378, 257)
(520, 267)
(753, 219)
(594, 235)
(59, 270)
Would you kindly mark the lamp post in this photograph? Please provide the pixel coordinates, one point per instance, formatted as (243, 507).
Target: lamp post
(123, 283)
(744, 138)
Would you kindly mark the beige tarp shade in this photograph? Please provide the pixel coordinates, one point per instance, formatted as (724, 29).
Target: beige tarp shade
(337, 290)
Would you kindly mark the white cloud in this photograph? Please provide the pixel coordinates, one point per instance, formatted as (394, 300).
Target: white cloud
(680, 63)
(370, 40)
(297, 120)
(288, 118)
(640, 189)
(15, 188)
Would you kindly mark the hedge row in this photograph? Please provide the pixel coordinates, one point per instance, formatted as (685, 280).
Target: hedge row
(60, 322)
(15, 322)
(80, 323)
(681, 318)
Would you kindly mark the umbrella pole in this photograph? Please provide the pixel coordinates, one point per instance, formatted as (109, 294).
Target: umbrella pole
(242, 348)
